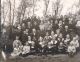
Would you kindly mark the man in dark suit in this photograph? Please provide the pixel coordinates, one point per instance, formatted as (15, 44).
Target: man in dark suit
(66, 31)
(24, 37)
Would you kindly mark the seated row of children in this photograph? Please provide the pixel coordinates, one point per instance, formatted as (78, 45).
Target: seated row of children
(52, 44)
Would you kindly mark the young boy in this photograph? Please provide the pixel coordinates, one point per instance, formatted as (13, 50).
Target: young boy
(52, 45)
(46, 40)
(61, 47)
(41, 44)
(31, 44)
(66, 42)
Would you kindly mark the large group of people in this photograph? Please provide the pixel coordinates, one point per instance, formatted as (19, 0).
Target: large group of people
(50, 36)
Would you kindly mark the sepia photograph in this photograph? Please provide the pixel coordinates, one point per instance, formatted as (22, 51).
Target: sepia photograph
(40, 31)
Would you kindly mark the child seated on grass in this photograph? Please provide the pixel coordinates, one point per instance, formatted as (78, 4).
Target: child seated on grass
(71, 50)
(26, 50)
(17, 47)
(75, 43)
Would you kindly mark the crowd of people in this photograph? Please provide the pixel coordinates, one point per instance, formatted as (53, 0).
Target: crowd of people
(50, 36)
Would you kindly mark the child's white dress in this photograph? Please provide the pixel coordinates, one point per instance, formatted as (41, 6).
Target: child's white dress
(71, 49)
(26, 49)
(75, 43)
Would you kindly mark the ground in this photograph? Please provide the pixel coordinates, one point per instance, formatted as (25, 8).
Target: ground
(49, 58)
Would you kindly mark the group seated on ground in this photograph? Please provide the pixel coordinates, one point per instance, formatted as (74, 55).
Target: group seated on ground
(45, 37)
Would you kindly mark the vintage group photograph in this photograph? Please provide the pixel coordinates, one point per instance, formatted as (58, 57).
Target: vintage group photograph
(40, 31)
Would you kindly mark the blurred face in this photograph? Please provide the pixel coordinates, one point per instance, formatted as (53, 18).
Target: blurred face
(63, 22)
(51, 21)
(15, 25)
(58, 31)
(71, 44)
(19, 27)
(52, 32)
(29, 38)
(40, 38)
(66, 27)
(17, 38)
(29, 23)
(41, 22)
(67, 36)
(34, 30)
(60, 35)
(23, 25)
(26, 43)
(70, 21)
(48, 22)
(53, 38)
(47, 33)
(35, 23)
(61, 44)
(26, 30)
(56, 22)
(60, 22)
(74, 39)
(4, 31)
(77, 37)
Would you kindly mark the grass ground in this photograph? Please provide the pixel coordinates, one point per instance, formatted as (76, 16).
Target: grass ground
(49, 58)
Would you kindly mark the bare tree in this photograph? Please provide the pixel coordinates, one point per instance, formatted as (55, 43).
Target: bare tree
(4, 12)
(33, 7)
(46, 6)
(79, 6)
(58, 7)
(10, 28)
(10, 12)
(13, 13)
(22, 9)
(0, 21)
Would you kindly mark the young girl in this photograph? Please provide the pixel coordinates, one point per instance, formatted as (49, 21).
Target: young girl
(26, 50)
(52, 34)
(60, 38)
(46, 40)
(17, 47)
(75, 43)
(29, 40)
(47, 37)
(71, 50)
